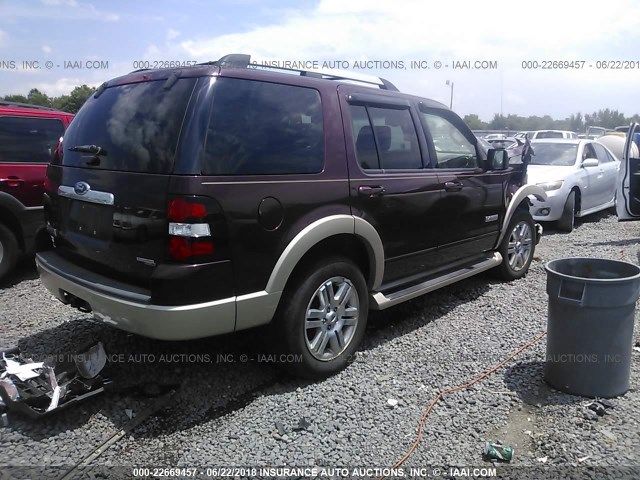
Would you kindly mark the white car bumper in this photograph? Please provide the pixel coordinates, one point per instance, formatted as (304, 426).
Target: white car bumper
(551, 209)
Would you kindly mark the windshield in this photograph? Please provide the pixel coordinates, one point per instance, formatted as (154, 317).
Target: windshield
(558, 154)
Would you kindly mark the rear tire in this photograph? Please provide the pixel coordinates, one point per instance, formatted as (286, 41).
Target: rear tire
(517, 247)
(322, 318)
(8, 251)
(567, 219)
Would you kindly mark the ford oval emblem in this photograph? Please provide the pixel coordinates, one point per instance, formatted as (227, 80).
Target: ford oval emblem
(81, 188)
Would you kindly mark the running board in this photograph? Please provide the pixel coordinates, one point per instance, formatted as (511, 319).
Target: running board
(380, 301)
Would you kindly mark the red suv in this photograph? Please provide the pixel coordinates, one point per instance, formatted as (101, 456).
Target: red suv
(28, 136)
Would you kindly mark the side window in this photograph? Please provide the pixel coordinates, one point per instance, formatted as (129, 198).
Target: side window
(29, 140)
(259, 128)
(453, 149)
(396, 138)
(601, 152)
(365, 144)
(390, 144)
(588, 152)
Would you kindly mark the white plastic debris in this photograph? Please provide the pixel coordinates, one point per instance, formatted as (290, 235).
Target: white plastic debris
(392, 402)
(543, 459)
(130, 413)
(91, 362)
(22, 371)
(55, 397)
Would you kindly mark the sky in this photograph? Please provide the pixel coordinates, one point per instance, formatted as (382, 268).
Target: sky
(46, 44)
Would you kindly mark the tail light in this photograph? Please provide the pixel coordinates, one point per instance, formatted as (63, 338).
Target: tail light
(189, 233)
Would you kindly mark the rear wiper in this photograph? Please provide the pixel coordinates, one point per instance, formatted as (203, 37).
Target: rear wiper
(94, 149)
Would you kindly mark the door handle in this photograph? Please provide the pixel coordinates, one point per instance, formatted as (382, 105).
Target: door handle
(452, 186)
(370, 190)
(11, 181)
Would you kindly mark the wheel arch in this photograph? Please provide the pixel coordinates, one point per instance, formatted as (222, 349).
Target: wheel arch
(578, 206)
(9, 220)
(355, 237)
(519, 200)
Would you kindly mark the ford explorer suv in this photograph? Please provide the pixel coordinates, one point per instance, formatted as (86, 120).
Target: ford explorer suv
(28, 136)
(201, 201)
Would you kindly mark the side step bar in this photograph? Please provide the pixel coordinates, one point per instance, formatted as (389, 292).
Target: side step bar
(380, 301)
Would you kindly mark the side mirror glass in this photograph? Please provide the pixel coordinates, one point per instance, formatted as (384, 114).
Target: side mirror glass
(497, 159)
(590, 162)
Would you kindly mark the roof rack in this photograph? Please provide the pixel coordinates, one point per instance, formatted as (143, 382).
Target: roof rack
(24, 105)
(240, 60)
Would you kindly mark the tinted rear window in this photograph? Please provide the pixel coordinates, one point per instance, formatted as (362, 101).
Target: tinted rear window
(138, 125)
(28, 140)
(259, 128)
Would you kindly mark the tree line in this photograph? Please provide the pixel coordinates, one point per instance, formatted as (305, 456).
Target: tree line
(575, 122)
(67, 103)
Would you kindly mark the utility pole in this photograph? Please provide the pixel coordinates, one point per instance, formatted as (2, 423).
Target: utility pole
(450, 83)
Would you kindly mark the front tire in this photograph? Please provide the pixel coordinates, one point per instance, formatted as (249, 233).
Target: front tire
(517, 247)
(8, 251)
(322, 317)
(567, 219)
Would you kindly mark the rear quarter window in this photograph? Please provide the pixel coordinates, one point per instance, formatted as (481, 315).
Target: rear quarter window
(28, 140)
(259, 128)
(138, 125)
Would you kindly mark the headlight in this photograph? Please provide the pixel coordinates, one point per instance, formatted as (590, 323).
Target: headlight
(551, 185)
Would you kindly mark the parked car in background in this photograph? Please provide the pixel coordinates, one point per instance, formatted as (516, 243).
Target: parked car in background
(494, 136)
(540, 134)
(615, 142)
(505, 142)
(521, 135)
(595, 132)
(628, 195)
(579, 176)
(295, 198)
(28, 136)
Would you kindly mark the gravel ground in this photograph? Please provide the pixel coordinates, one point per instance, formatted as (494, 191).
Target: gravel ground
(233, 407)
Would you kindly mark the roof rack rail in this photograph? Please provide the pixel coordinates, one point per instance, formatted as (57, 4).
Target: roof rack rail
(240, 60)
(24, 105)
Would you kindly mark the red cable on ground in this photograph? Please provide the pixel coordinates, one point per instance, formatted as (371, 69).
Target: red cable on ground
(441, 395)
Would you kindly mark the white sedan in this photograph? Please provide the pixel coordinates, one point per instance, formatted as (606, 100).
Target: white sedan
(579, 176)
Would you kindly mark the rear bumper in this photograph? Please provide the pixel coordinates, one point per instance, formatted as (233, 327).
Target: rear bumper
(129, 308)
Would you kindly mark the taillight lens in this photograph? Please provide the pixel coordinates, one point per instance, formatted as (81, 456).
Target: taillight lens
(182, 248)
(188, 239)
(179, 210)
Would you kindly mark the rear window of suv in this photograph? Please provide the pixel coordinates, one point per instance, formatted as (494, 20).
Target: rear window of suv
(137, 125)
(259, 128)
(28, 140)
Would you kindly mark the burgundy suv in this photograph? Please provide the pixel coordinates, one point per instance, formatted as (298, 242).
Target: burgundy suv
(28, 136)
(196, 202)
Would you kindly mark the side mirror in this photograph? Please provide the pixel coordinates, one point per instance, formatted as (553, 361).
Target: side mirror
(590, 162)
(497, 159)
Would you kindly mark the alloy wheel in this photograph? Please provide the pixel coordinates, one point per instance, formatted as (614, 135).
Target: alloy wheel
(331, 318)
(520, 246)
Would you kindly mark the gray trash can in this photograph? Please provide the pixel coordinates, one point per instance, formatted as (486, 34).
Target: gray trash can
(590, 325)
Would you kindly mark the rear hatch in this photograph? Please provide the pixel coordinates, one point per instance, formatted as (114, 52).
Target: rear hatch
(109, 187)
